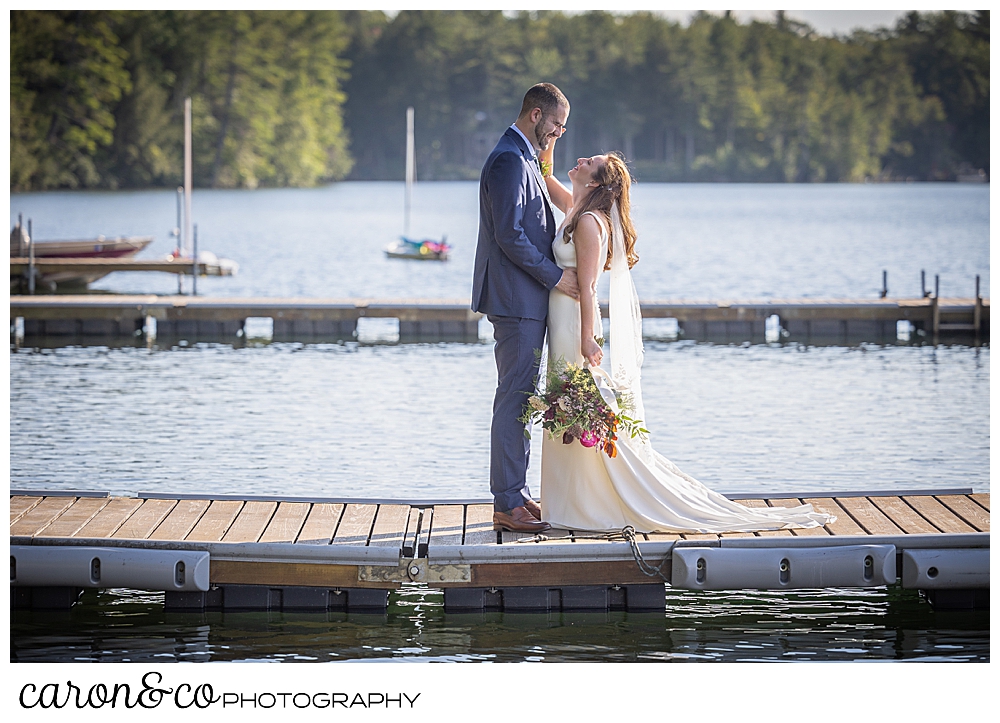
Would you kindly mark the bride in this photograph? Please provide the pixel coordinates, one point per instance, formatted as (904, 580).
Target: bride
(583, 488)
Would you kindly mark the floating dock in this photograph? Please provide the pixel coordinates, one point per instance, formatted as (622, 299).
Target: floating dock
(269, 553)
(304, 319)
(84, 266)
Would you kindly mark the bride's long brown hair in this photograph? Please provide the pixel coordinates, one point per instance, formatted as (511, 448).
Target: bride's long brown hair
(614, 182)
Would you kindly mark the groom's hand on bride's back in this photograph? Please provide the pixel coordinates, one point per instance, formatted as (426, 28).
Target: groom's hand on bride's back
(568, 284)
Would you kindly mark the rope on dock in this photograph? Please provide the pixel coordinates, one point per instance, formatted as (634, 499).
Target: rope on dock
(627, 534)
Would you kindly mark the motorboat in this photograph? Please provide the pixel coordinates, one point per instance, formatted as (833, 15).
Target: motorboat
(120, 247)
(91, 248)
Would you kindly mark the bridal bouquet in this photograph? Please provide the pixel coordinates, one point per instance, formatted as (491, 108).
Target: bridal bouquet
(571, 407)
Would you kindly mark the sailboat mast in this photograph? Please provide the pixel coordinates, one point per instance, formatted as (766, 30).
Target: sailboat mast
(411, 171)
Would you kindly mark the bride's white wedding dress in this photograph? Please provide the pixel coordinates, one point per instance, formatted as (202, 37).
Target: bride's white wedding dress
(584, 489)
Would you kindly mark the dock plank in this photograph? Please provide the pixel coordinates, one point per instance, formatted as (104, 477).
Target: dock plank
(968, 510)
(447, 525)
(355, 525)
(143, 521)
(251, 521)
(903, 516)
(870, 517)
(559, 574)
(320, 524)
(507, 536)
(390, 526)
(113, 516)
(412, 529)
(981, 499)
(556, 536)
(240, 572)
(799, 531)
(181, 520)
(424, 538)
(479, 525)
(216, 521)
(20, 504)
(286, 522)
(764, 533)
(937, 514)
(699, 536)
(74, 517)
(844, 525)
(671, 536)
(40, 515)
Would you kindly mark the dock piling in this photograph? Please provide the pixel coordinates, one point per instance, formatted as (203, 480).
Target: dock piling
(885, 284)
(31, 259)
(977, 312)
(149, 327)
(194, 264)
(923, 284)
(936, 309)
(177, 233)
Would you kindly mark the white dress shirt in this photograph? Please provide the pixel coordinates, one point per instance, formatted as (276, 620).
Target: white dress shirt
(530, 146)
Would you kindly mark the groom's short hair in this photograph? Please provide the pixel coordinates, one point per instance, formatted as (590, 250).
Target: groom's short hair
(545, 96)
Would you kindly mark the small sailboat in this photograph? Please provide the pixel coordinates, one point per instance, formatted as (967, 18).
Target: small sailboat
(406, 247)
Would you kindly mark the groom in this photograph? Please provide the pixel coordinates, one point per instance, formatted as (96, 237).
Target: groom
(514, 273)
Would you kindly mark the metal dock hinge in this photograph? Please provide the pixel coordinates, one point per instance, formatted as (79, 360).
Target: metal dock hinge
(415, 570)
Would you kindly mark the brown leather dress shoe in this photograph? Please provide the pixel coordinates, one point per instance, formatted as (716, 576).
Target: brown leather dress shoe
(518, 520)
(534, 508)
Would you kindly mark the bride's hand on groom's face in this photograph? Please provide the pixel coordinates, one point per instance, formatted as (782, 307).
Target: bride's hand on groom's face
(568, 284)
(549, 152)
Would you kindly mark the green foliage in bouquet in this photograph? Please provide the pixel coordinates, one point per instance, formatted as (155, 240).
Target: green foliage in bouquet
(571, 407)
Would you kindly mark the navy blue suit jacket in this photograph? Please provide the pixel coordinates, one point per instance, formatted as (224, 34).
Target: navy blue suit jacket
(514, 265)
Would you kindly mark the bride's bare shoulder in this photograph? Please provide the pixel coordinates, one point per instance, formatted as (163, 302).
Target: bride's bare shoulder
(588, 227)
(594, 220)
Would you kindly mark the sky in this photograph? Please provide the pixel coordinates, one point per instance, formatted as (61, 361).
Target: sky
(825, 22)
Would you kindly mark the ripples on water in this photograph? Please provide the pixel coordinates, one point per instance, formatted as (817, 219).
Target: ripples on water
(412, 420)
(878, 624)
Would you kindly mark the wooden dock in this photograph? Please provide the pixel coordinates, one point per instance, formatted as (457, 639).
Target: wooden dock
(194, 317)
(85, 266)
(321, 554)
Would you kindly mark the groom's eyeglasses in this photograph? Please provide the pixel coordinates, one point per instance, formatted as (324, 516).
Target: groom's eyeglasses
(559, 126)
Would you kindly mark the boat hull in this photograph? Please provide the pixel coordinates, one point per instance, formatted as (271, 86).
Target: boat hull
(98, 248)
(427, 250)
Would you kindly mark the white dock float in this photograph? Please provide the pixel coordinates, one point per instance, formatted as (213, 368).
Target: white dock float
(106, 567)
(788, 568)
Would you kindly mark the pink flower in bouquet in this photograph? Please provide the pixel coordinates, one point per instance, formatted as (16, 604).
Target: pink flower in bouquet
(588, 439)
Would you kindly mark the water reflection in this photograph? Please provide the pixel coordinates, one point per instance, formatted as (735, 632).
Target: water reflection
(880, 624)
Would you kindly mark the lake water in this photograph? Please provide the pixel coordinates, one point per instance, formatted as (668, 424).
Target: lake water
(412, 420)
(377, 418)
(718, 241)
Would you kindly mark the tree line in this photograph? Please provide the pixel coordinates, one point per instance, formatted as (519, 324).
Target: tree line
(297, 98)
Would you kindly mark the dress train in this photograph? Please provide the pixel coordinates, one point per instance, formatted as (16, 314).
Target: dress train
(584, 489)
